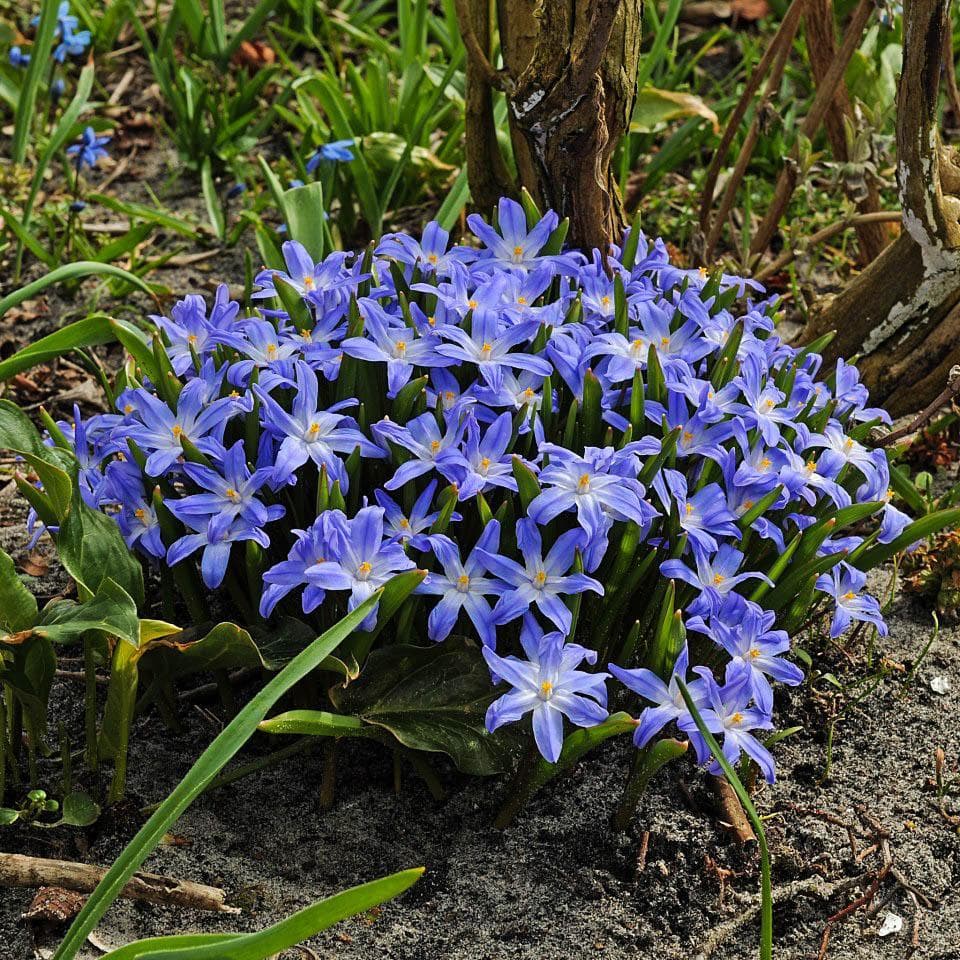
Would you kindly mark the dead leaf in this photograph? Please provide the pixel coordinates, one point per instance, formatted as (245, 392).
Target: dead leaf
(35, 565)
(749, 9)
(254, 54)
(54, 905)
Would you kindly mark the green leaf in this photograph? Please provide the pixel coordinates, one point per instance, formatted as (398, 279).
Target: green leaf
(304, 211)
(70, 271)
(18, 606)
(92, 549)
(918, 530)
(17, 432)
(317, 723)
(430, 698)
(277, 938)
(654, 107)
(79, 809)
(211, 199)
(111, 610)
(83, 333)
(210, 763)
(26, 113)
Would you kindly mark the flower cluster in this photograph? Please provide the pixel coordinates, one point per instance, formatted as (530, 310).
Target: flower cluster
(593, 457)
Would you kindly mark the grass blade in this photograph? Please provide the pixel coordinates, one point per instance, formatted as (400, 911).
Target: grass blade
(210, 763)
(283, 935)
(70, 271)
(39, 62)
(84, 333)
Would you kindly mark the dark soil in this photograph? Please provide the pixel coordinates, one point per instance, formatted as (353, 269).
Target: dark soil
(560, 882)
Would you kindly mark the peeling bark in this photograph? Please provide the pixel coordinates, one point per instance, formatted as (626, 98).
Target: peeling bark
(902, 314)
(570, 81)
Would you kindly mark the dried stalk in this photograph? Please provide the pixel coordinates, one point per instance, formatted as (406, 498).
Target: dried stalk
(20, 871)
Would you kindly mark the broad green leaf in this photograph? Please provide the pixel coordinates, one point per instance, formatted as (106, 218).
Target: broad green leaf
(18, 606)
(17, 432)
(79, 809)
(110, 610)
(654, 107)
(91, 548)
(430, 698)
(210, 763)
(303, 207)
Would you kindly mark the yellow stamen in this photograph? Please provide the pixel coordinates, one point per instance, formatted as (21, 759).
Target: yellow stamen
(404, 523)
(364, 569)
(849, 595)
(314, 429)
(140, 513)
(718, 578)
(177, 430)
(546, 690)
(232, 494)
(766, 463)
(737, 718)
(689, 508)
(401, 346)
(463, 583)
(522, 301)
(703, 272)
(434, 446)
(754, 653)
(308, 282)
(540, 579)
(518, 252)
(192, 339)
(605, 301)
(583, 484)
(472, 304)
(433, 258)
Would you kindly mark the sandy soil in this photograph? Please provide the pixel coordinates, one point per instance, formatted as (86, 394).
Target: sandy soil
(560, 882)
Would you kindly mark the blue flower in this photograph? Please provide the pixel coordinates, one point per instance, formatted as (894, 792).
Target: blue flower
(714, 577)
(704, 516)
(725, 713)
(160, 432)
(309, 433)
(551, 688)
(394, 344)
(431, 450)
(313, 546)
(745, 630)
(228, 494)
(514, 245)
(489, 345)
(588, 485)
(667, 703)
(89, 151)
(337, 151)
(845, 584)
(216, 543)
(410, 528)
(462, 586)
(18, 58)
(542, 580)
(363, 560)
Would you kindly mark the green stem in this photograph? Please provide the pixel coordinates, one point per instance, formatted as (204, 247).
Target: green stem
(90, 704)
(519, 789)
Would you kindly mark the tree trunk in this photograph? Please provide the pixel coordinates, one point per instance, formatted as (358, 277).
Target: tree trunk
(569, 75)
(902, 314)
